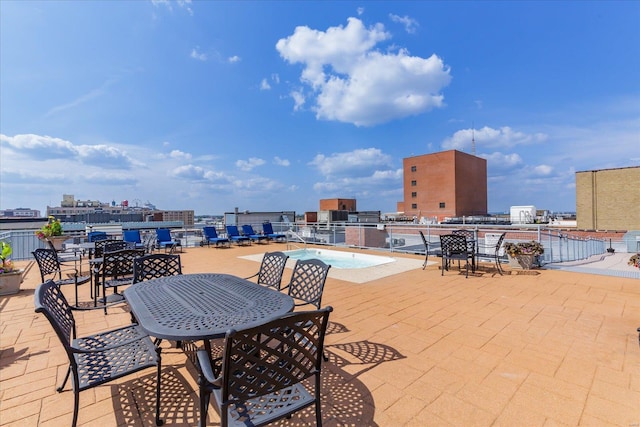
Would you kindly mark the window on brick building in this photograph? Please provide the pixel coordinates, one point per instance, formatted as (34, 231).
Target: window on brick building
(441, 205)
(413, 168)
(414, 206)
(414, 183)
(414, 194)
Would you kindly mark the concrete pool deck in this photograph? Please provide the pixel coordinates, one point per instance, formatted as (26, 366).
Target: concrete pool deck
(557, 348)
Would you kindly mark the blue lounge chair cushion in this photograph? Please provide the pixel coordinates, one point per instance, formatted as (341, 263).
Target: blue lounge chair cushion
(267, 228)
(164, 239)
(211, 236)
(235, 236)
(248, 231)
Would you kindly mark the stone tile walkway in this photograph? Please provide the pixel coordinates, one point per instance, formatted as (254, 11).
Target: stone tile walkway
(411, 349)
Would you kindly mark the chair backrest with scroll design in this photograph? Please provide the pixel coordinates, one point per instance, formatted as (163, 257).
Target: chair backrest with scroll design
(152, 266)
(307, 281)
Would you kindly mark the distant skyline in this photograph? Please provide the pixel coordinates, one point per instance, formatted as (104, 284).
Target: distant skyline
(274, 105)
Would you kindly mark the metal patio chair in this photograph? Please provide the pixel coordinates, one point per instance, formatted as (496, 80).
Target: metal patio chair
(264, 371)
(493, 252)
(271, 269)
(307, 282)
(100, 358)
(455, 248)
(116, 270)
(50, 268)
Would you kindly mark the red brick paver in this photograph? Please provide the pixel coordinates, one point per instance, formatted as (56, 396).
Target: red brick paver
(413, 349)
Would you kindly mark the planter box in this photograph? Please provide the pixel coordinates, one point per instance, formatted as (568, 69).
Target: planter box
(522, 262)
(10, 282)
(58, 242)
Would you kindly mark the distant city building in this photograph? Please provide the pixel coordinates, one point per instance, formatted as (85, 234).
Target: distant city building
(20, 213)
(608, 199)
(348, 205)
(443, 185)
(72, 210)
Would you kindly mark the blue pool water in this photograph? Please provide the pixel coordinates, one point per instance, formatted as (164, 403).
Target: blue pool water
(339, 259)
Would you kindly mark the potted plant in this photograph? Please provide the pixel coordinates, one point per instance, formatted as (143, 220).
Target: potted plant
(52, 231)
(523, 254)
(10, 277)
(634, 260)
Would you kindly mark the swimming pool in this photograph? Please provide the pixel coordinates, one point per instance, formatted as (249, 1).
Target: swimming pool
(341, 260)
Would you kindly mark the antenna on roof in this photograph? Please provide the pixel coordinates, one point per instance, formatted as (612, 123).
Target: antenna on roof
(473, 139)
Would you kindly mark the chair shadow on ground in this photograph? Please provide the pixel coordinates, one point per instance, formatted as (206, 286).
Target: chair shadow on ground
(336, 328)
(134, 400)
(345, 399)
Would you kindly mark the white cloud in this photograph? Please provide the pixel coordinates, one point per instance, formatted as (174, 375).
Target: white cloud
(234, 59)
(247, 165)
(43, 147)
(105, 156)
(264, 85)
(361, 185)
(499, 162)
(487, 137)
(177, 154)
(357, 162)
(298, 99)
(197, 173)
(543, 170)
(182, 4)
(196, 54)
(281, 162)
(355, 83)
(410, 24)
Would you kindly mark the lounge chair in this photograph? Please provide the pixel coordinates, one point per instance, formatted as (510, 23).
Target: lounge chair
(164, 240)
(248, 231)
(234, 235)
(95, 236)
(211, 236)
(267, 229)
(133, 237)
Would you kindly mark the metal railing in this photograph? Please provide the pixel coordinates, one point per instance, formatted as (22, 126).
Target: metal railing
(559, 246)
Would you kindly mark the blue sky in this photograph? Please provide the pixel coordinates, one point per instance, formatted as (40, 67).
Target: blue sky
(270, 106)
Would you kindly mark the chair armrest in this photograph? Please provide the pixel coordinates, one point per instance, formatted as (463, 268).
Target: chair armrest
(252, 276)
(68, 271)
(206, 369)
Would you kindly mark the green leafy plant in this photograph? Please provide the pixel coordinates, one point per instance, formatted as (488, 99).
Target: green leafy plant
(5, 252)
(51, 228)
(524, 248)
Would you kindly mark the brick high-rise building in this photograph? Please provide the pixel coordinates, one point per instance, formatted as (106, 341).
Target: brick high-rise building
(608, 199)
(445, 184)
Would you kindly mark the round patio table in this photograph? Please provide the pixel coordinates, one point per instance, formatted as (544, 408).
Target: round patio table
(193, 307)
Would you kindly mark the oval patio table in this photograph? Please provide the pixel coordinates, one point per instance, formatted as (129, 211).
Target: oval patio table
(194, 307)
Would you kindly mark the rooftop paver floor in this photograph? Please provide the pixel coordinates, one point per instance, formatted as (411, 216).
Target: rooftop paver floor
(557, 348)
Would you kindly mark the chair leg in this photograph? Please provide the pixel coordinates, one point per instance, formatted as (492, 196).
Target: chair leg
(205, 395)
(318, 403)
(64, 382)
(76, 405)
(159, 422)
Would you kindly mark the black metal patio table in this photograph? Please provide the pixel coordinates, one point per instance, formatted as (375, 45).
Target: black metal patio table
(194, 307)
